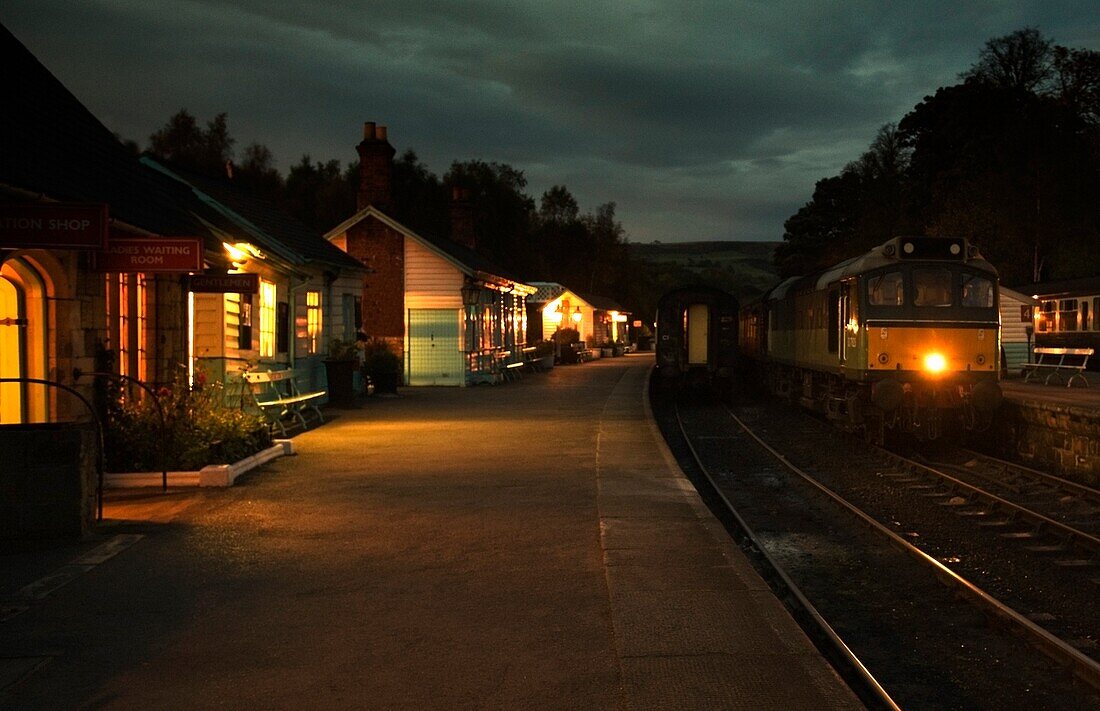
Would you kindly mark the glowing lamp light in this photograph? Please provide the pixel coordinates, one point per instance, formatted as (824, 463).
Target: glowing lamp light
(577, 315)
(934, 363)
(241, 252)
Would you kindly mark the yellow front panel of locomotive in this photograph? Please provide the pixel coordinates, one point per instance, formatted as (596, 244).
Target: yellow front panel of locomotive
(932, 350)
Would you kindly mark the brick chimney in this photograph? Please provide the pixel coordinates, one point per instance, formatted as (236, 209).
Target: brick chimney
(462, 217)
(375, 169)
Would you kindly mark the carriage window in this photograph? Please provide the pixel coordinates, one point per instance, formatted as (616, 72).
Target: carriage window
(932, 287)
(1067, 315)
(1084, 314)
(977, 291)
(886, 290)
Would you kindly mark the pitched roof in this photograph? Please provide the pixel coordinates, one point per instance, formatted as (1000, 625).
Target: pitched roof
(460, 255)
(1066, 287)
(550, 290)
(52, 145)
(268, 222)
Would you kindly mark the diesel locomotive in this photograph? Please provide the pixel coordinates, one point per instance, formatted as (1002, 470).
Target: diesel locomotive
(903, 337)
(697, 336)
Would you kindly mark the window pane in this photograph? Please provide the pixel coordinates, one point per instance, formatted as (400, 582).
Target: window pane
(886, 290)
(977, 291)
(267, 319)
(932, 287)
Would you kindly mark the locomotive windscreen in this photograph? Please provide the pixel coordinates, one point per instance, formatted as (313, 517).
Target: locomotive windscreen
(932, 248)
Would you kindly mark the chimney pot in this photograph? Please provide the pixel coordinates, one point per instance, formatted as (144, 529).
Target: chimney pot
(380, 133)
(368, 130)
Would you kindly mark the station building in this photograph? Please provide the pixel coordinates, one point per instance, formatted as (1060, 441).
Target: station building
(454, 317)
(303, 293)
(68, 191)
(596, 319)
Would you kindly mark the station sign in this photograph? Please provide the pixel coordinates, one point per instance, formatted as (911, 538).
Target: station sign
(224, 283)
(151, 254)
(56, 225)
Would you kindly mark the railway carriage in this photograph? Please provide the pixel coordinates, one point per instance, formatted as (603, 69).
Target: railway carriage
(697, 336)
(1068, 315)
(905, 336)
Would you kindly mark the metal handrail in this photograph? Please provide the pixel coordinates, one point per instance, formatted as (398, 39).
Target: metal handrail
(98, 428)
(161, 451)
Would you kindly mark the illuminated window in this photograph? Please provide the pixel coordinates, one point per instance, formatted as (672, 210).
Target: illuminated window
(126, 323)
(313, 321)
(267, 319)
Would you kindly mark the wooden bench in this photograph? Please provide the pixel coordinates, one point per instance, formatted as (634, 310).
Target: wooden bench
(275, 393)
(1056, 362)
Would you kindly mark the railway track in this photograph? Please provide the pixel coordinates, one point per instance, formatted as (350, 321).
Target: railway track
(840, 654)
(918, 479)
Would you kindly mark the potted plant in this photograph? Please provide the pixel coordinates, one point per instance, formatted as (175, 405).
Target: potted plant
(382, 366)
(606, 349)
(343, 359)
(564, 339)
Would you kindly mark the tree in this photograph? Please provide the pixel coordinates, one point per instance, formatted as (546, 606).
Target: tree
(1021, 61)
(257, 172)
(1077, 81)
(183, 142)
(320, 194)
(558, 206)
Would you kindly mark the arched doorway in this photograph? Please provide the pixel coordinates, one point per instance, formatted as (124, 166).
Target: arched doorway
(23, 342)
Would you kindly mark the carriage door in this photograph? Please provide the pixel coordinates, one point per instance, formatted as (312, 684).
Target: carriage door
(698, 333)
(434, 355)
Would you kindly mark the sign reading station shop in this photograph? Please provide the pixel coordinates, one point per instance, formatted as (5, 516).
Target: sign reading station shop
(224, 283)
(150, 254)
(55, 225)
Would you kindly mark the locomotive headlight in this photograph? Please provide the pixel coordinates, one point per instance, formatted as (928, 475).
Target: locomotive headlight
(935, 363)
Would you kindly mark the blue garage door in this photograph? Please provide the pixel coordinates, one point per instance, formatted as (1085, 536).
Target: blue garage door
(434, 355)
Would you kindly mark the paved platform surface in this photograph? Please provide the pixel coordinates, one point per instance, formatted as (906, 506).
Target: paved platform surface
(520, 546)
(1056, 394)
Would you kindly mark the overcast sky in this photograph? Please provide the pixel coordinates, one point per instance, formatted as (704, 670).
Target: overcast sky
(701, 120)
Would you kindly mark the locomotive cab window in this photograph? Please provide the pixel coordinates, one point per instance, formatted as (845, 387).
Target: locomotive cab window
(886, 289)
(976, 292)
(932, 287)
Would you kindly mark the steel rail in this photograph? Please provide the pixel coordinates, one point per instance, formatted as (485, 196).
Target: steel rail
(1084, 667)
(1069, 533)
(872, 691)
(1076, 488)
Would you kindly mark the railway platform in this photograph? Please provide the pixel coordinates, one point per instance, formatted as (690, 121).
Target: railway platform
(532, 545)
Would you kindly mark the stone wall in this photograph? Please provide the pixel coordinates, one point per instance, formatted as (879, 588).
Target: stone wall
(48, 481)
(1061, 439)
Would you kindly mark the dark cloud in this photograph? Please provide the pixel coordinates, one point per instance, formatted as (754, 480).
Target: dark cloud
(710, 119)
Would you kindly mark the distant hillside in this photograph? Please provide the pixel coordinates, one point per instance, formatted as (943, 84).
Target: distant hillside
(743, 269)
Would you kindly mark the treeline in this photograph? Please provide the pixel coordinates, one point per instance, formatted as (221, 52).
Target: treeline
(1009, 157)
(551, 240)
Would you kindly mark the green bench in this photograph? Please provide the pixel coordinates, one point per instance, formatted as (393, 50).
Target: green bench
(275, 393)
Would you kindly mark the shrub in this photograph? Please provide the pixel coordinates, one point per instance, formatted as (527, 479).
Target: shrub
(379, 357)
(199, 430)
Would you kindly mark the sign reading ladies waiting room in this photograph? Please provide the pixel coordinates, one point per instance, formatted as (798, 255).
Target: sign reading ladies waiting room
(150, 254)
(53, 225)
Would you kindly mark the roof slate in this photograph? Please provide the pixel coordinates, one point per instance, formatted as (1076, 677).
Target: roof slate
(289, 234)
(52, 145)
